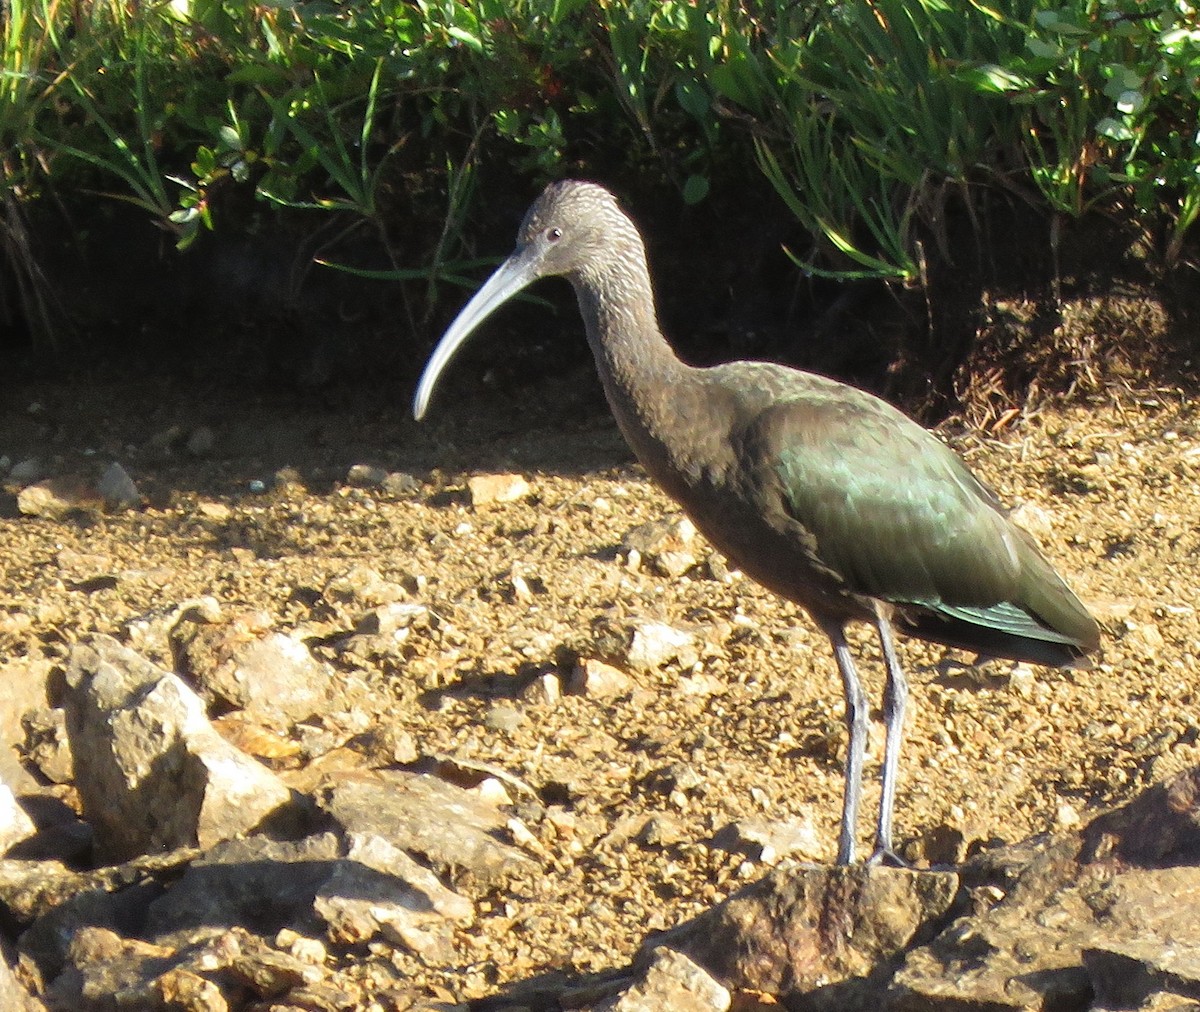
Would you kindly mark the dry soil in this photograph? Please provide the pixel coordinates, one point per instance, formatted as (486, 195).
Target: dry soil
(625, 793)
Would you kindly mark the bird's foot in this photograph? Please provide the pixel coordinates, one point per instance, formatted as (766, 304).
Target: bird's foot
(887, 858)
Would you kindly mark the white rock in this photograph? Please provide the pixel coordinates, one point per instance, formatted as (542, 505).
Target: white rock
(1033, 519)
(702, 684)
(454, 829)
(597, 679)
(25, 471)
(117, 489)
(673, 982)
(152, 772)
(545, 689)
(15, 823)
(656, 643)
(56, 498)
(366, 476)
(381, 889)
(1067, 816)
(496, 488)
(768, 840)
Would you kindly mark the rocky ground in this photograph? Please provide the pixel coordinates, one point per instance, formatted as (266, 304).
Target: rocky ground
(664, 730)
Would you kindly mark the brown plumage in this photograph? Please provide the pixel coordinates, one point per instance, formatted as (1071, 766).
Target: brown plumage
(823, 493)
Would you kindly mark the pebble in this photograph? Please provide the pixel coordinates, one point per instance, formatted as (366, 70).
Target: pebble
(27, 471)
(1022, 680)
(485, 489)
(503, 718)
(56, 498)
(398, 746)
(217, 511)
(1144, 638)
(545, 689)
(656, 643)
(663, 544)
(701, 683)
(676, 776)
(594, 678)
(363, 586)
(657, 535)
(520, 586)
(718, 569)
(117, 488)
(366, 476)
(674, 564)
(661, 830)
(493, 792)
(400, 483)
(305, 949)
(1034, 520)
(389, 618)
(201, 442)
(1067, 816)
(768, 840)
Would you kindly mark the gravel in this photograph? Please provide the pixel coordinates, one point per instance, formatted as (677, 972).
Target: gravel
(630, 787)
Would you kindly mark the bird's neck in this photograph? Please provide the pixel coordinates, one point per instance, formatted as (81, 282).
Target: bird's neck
(648, 388)
(636, 364)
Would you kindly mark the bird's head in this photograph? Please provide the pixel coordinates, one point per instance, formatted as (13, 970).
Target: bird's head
(572, 226)
(572, 230)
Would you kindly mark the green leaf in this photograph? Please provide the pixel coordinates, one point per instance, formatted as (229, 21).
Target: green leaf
(1131, 102)
(695, 189)
(468, 39)
(265, 74)
(1045, 50)
(205, 163)
(693, 99)
(1121, 79)
(1114, 128)
(737, 80)
(990, 77)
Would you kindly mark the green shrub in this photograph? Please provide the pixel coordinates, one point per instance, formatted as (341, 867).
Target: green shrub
(869, 113)
(1114, 86)
(868, 117)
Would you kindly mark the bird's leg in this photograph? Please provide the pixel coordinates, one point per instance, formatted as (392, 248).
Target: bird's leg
(895, 695)
(856, 725)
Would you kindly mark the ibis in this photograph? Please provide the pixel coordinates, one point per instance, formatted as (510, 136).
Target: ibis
(823, 493)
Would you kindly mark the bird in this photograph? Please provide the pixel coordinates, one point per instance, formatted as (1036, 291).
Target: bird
(823, 493)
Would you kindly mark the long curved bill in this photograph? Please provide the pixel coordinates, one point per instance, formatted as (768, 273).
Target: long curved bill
(518, 271)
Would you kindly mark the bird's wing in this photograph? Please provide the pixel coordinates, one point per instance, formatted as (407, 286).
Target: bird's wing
(892, 510)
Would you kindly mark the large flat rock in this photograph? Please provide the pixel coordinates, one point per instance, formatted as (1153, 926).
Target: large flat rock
(152, 772)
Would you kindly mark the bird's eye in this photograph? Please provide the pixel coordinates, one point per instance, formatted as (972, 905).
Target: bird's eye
(553, 234)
